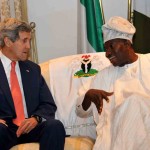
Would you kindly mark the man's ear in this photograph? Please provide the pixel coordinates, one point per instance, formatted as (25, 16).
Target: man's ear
(7, 41)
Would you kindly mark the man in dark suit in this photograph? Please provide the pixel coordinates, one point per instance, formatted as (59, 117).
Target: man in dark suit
(38, 107)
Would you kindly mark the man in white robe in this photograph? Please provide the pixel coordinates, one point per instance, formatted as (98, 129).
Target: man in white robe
(119, 97)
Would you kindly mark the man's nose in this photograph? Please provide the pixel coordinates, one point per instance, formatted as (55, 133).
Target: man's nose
(28, 45)
(108, 53)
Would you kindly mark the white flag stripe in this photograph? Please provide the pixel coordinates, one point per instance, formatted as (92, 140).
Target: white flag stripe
(83, 44)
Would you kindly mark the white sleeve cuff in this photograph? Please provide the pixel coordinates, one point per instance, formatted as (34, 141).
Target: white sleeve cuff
(79, 109)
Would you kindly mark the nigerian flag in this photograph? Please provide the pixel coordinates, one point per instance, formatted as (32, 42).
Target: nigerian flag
(89, 36)
(141, 21)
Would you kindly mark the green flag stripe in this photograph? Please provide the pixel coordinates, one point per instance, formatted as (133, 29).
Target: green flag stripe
(141, 39)
(99, 23)
(94, 23)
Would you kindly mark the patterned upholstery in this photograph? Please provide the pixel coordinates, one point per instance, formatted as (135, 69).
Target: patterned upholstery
(79, 143)
(27, 146)
(71, 143)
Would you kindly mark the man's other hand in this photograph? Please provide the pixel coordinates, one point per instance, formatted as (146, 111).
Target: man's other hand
(26, 126)
(95, 96)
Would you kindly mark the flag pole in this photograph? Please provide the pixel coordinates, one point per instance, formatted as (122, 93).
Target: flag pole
(102, 11)
(130, 14)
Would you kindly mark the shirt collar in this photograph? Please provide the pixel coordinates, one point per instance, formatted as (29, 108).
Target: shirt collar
(132, 64)
(6, 61)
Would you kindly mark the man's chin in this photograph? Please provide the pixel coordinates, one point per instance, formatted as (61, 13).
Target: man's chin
(23, 58)
(118, 65)
(114, 63)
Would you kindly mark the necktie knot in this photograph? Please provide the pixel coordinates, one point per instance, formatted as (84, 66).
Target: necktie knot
(13, 64)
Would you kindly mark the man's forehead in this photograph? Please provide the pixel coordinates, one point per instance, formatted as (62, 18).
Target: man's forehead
(24, 34)
(117, 40)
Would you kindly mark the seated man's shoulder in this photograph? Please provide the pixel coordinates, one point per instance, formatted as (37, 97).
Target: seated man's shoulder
(30, 64)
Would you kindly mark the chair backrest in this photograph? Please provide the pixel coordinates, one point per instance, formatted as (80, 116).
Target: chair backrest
(68, 78)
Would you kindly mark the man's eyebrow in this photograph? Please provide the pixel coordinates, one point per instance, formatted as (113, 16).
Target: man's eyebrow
(25, 38)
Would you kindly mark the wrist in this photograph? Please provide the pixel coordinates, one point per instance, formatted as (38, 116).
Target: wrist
(38, 118)
(86, 104)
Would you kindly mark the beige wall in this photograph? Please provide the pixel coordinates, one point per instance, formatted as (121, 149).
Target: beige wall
(56, 24)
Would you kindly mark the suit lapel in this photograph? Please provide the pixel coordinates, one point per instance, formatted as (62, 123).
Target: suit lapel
(5, 86)
(26, 82)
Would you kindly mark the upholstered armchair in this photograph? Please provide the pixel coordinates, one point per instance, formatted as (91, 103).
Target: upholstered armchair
(69, 77)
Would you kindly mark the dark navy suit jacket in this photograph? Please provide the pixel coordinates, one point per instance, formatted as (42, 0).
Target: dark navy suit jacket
(39, 100)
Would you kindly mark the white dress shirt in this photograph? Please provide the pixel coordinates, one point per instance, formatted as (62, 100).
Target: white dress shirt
(7, 67)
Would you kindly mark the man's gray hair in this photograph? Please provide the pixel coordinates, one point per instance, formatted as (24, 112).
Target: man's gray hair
(10, 28)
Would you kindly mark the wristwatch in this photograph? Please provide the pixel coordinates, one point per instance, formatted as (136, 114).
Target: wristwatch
(38, 118)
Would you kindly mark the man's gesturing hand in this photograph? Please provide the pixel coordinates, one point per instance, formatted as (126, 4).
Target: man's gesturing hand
(95, 96)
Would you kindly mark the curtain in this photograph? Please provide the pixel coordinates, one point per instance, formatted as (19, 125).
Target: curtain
(5, 9)
(11, 8)
(18, 9)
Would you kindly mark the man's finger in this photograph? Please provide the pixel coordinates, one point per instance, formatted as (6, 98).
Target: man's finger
(106, 94)
(100, 110)
(106, 98)
(3, 122)
(22, 127)
(109, 93)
